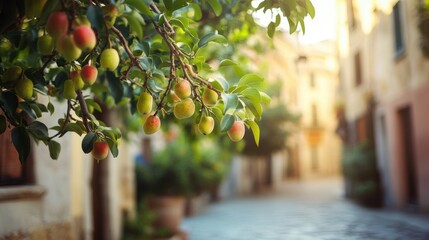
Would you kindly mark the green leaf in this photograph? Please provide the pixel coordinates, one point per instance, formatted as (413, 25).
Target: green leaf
(74, 127)
(251, 80)
(88, 142)
(197, 11)
(212, 37)
(51, 108)
(265, 99)
(226, 122)
(255, 130)
(230, 101)
(113, 145)
(310, 8)
(3, 124)
(220, 84)
(216, 6)
(169, 5)
(271, 29)
(136, 22)
(227, 63)
(253, 95)
(39, 130)
(36, 109)
(21, 141)
(115, 86)
(96, 17)
(141, 6)
(54, 149)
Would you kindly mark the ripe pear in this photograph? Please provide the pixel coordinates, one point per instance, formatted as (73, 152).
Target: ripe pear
(12, 74)
(57, 24)
(84, 37)
(236, 132)
(209, 97)
(206, 125)
(69, 90)
(89, 74)
(24, 88)
(77, 79)
(67, 48)
(184, 109)
(183, 89)
(109, 59)
(152, 124)
(144, 103)
(100, 150)
(45, 44)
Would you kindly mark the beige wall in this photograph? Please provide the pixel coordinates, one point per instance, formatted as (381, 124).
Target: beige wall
(64, 210)
(394, 81)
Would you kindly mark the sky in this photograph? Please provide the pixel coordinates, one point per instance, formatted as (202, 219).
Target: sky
(320, 28)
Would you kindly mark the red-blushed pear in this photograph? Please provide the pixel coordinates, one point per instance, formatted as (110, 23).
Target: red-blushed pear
(69, 90)
(45, 44)
(144, 103)
(57, 24)
(67, 48)
(184, 109)
(100, 150)
(77, 79)
(209, 97)
(24, 88)
(206, 125)
(84, 37)
(109, 59)
(183, 89)
(152, 124)
(236, 132)
(12, 74)
(89, 74)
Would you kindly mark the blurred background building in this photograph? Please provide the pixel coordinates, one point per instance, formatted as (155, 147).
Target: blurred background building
(384, 86)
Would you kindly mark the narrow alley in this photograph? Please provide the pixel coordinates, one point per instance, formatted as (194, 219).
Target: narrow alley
(303, 210)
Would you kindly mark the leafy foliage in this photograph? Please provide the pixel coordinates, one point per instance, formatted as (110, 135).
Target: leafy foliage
(153, 43)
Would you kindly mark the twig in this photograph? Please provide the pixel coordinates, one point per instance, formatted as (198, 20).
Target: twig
(84, 109)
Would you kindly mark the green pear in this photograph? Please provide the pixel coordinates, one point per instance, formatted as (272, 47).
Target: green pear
(184, 109)
(45, 44)
(12, 74)
(144, 103)
(109, 59)
(206, 125)
(24, 88)
(183, 89)
(209, 97)
(69, 90)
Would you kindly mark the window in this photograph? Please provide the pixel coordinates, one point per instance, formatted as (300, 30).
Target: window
(358, 69)
(11, 170)
(397, 22)
(352, 16)
(314, 117)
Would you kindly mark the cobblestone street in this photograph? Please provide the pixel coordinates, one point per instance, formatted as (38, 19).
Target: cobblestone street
(303, 211)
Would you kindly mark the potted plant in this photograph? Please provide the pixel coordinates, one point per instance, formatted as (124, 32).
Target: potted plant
(163, 184)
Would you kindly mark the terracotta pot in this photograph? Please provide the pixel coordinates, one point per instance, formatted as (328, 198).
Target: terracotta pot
(169, 212)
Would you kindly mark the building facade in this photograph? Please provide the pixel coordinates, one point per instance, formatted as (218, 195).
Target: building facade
(384, 86)
(55, 199)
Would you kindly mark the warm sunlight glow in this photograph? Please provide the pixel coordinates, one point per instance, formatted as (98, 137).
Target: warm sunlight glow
(320, 28)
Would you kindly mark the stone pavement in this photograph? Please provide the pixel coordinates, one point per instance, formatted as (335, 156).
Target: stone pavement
(304, 210)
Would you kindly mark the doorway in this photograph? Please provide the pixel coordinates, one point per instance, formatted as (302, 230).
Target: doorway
(408, 156)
